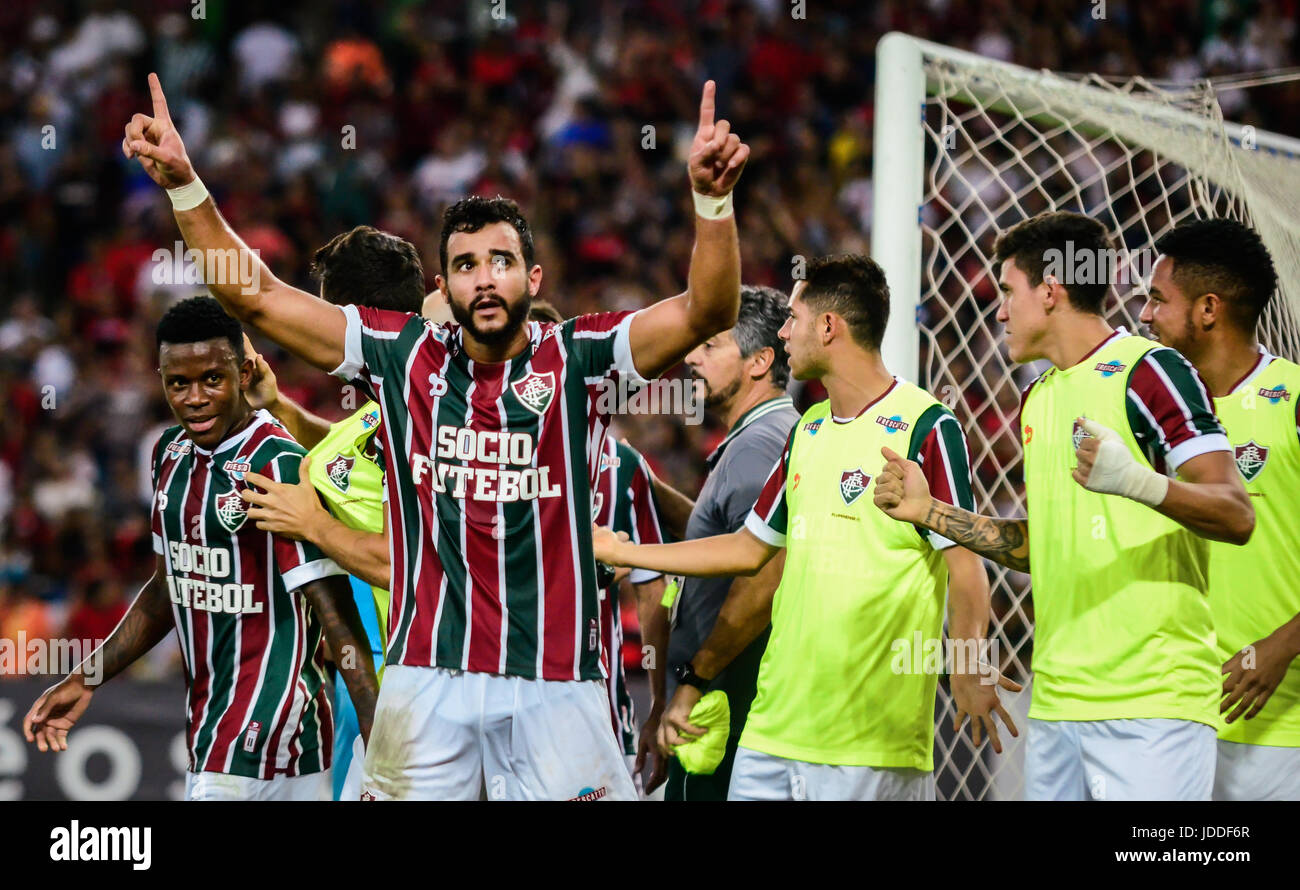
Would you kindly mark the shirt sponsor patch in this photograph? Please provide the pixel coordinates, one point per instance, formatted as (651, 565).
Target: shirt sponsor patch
(1276, 394)
(892, 424)
(590, 793)
(1109, 368)
(812, 426)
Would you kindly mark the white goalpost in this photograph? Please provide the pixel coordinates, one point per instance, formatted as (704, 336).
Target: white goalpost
(965, 147)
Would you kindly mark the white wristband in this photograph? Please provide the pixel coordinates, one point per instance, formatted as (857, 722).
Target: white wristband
(188, 196)
(709, 207)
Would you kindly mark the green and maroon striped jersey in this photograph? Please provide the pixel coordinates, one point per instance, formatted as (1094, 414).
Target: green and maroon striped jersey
(490, 468)
(256, 700)
(623, 499)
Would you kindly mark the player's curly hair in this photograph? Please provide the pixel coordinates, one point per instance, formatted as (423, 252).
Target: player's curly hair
(473, 213)
(763, 311)
(1031, 242)
(854, 288)
(370, 268)
(1223, 257)
(198, 319)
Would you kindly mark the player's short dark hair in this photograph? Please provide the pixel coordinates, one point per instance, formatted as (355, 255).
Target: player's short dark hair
(473, 213)
(1031, 242)
(1224, 257)
(763, 311)
(370, 268)
(198, 319)
(543, 310)
(854, 288)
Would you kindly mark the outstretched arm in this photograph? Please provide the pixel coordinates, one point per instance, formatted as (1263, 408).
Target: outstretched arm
(145, 623)
(307, 326)
(331, 599)
(902, 493)
(661, 335)
(739, 553)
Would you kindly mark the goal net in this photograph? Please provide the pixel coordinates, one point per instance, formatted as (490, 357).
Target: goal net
(967, 147)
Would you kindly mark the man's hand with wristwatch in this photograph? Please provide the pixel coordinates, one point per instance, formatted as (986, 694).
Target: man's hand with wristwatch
(675, 728)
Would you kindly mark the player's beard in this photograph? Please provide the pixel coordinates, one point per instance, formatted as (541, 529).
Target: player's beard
(516, 315)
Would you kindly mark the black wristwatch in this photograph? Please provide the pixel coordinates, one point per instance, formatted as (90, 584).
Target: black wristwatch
(685, 675)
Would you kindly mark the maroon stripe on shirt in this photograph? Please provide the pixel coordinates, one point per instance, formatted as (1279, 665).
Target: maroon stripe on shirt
(482, 552)
(420, 644)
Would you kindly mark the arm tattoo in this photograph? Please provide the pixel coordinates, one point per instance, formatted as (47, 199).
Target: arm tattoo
(145, 624)
(1005, 541)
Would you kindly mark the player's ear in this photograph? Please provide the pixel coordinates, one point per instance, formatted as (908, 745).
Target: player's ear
(1054, 292)
(534, 279)
(1208, 309)
(246, 368)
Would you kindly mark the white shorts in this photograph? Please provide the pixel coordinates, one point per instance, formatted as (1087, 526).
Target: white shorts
(441, 734)
(758, 776)
(351, 789)
(1256, 772)
(223, 786)
(1144, 759)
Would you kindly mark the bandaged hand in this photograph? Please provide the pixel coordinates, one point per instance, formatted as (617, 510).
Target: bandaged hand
(1106, 466)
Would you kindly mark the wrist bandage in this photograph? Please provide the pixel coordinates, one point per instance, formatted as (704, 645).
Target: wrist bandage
(710, 207)
(188, 196)
(1114, 471)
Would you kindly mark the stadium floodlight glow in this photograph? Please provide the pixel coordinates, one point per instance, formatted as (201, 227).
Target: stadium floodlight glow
(965, 147)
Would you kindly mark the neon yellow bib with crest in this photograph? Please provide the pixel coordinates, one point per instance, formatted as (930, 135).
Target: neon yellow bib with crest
(1122, 625)
(351, 484)
(1255, 589)
(839, 682)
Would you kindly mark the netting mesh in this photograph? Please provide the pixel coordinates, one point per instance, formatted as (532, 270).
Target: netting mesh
(1002, 145)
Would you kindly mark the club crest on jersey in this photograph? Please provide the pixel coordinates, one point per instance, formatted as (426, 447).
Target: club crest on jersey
(231, 509)
(1277, 394)
(1079, 434)
(852, 484)
(1250, 459)
(812, 426)
(597, 501)
(892, 424)
(1109, 368)
(535, 391)
(339, 471)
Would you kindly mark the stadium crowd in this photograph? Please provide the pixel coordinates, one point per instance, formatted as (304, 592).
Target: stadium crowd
(308, 119)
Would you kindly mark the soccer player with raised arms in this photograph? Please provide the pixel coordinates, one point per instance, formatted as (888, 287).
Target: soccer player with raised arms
(251, 610)
(494, 680)
(1126, 684)
(834, 717)
(1210, 285)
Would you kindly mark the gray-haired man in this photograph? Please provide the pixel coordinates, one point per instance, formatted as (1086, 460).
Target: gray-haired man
(742, 374)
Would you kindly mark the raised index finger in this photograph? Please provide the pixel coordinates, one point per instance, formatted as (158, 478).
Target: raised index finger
(706, 104)
(159, 100)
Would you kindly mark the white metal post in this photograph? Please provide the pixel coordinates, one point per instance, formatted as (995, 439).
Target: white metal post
(897, 188)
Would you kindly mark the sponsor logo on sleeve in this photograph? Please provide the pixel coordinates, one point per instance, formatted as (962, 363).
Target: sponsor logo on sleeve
(1110, 368)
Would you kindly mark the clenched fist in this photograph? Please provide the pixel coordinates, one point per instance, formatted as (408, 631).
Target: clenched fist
(901, 490)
